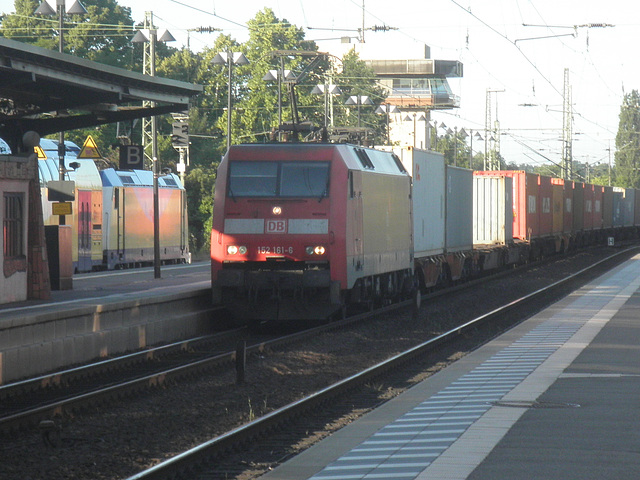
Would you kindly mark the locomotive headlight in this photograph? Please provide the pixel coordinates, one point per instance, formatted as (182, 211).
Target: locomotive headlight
(315, 250)
(276, 210)
(234, 250)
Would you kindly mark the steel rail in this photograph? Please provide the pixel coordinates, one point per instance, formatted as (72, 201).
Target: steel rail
(161, 377)
(184, 462)
(63, 377)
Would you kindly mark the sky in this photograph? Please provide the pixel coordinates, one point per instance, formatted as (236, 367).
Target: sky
(518, 50)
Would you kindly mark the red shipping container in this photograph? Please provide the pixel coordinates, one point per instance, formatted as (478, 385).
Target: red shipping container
(598, 219)
(557, 206)
(525, 202)
(567, 203)
(568, 206)
(545, 212)
(607, 207)
(578, 206)
(588, 199)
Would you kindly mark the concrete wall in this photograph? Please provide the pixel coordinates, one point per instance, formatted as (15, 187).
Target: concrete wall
(13, 274)
(27, 276)
(33, 345)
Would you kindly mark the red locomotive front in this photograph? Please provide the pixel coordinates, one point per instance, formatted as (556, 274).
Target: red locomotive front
(271, 234)
(300, 231)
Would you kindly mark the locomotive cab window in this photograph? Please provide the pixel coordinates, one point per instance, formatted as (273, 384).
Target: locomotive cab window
(253, 179)
(278, 179)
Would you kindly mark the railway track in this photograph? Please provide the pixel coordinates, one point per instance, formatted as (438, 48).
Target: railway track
(68, 441)
(33, 400)
(208, 456)
(30, 401)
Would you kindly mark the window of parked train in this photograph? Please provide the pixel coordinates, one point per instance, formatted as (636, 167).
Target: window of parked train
(279, 179)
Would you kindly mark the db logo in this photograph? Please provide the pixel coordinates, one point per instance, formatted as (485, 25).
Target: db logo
(275, 226)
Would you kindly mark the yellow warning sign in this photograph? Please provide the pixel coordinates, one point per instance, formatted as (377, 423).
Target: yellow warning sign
(61, 208)
(89, 149)
(40, 152)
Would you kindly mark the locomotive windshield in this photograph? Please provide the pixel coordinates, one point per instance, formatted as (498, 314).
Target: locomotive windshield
(278, 179)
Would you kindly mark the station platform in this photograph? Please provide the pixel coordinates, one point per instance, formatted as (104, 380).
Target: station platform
(105, 314)
(115, 285)
(557, 397)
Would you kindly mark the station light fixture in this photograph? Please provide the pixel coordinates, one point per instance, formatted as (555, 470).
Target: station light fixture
(229, 59)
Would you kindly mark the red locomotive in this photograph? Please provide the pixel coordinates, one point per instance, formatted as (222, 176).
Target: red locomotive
(301, 230)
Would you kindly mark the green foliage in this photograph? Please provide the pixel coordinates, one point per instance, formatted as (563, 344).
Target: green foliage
(627, 156)
(102, 35)
(456, 151)
(269, 38)
(199, 185)
(357, 79)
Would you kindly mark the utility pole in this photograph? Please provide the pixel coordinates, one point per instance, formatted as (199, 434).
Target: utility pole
(362, 21)
(567, 130)
(491, 134)
(148, 68)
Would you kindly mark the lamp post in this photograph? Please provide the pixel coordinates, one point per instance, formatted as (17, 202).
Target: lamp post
(423, 118)
(326, 90)
(455, 146)
(279, 75)
(435, 132)
(471, 135)
(76, 9)
(150, 35)
(230, 59)
(387, 110)
(415, 119)
(359, 100)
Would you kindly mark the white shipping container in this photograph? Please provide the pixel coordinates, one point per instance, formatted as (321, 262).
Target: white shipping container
(492, 210)
(459, 209)
(428, 194)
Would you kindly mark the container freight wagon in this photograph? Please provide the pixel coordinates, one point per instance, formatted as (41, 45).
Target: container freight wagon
(302, 230)
(128, 219)
(492, 210)
(493, 241)
(607, 208)
(533, 216)
(566, 212)
(442, 198)
(623, 207)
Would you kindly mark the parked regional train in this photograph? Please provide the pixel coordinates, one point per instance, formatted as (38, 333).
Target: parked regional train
(300, 231)
(112, 219)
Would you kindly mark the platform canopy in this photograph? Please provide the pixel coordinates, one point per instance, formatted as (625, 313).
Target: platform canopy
(49, 92)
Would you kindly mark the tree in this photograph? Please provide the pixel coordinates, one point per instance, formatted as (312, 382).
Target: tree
(199, 186)
(627, 156)
(103, 35)
(269, 39)
(357, 79)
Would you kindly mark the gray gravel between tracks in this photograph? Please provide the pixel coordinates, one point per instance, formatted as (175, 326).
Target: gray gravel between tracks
(116, 441)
